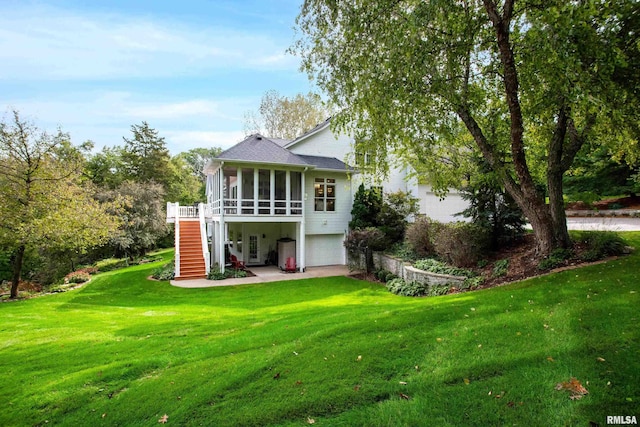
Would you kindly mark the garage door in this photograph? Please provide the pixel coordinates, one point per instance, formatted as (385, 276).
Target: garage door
(324, 249)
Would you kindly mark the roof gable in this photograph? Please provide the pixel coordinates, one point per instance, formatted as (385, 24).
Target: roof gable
(257, 148)
(308, 133)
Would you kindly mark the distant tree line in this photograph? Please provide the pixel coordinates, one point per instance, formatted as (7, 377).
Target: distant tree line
(63, 205)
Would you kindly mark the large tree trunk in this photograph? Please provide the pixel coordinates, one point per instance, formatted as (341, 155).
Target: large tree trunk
(18, 258)
(556, 209)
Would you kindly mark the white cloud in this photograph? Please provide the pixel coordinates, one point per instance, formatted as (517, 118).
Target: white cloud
(105, 117)
(46, 43)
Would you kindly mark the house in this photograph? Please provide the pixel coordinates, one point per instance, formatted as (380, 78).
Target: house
(271, 201)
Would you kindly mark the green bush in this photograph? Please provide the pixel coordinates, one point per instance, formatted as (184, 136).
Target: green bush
(360, 245)
(586, 197)
(601, 244)
(78, 277)
(229, 273)
(384, 275)
(403, 251)
(111, 264)
(472, 282)
(408, 289)
(439, 267)
(166, 272)
(419, 236)
(500, 267)
(461, 244)
(555, 259)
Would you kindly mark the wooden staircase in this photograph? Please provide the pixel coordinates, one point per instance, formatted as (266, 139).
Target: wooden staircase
(191, 258)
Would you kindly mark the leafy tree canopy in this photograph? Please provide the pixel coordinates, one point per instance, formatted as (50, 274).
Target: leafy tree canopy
(283, 117)
(43, 203)
(523, 84)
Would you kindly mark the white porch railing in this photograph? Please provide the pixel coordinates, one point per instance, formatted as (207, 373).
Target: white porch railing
(259, 207)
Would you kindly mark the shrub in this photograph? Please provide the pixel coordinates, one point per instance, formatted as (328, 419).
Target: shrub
(500, 267)
(472, 282)
(384, 275)
(367, 203)
(397, 207)
(403, 251)
(166, 272)
(419, 237)
(491, 208)
(556, 258)
(111, 264)
(461, 244)
(408, 289)
(229, 273)
(586, 197)
(602, 244)
(77, 277)
(435, 266)
(362, 243)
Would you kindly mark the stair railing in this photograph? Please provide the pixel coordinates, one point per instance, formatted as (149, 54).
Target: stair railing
(203, 238)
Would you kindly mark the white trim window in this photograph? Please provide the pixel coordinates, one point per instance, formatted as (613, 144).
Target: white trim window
(324, 194)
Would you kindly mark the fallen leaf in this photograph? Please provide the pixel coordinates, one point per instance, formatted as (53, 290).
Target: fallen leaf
(164, 419)
(574, 387)
(466, 381)
(276, 376)
(356, 388)
(403, 383)
(404, 396)
(510, 404)
(359, 358)
(104, 415)
(600, 359)
(310, 420)
(499, 396)
(490, 392)
(550, 359)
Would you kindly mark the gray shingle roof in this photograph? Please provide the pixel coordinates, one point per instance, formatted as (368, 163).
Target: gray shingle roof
(322, 162)
(257, 148)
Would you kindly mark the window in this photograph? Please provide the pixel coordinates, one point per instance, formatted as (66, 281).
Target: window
(325, 194)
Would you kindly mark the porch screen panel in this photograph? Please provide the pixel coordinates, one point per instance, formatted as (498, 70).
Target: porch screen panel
(296, 193)
(247, 191)
(230, 189)
(264, 192)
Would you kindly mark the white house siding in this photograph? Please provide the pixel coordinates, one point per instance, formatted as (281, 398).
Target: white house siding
(328, 222)
(325, 143)
(441, 210)
(325, 249)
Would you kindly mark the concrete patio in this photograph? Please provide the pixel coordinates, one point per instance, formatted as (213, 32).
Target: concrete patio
(264, 274)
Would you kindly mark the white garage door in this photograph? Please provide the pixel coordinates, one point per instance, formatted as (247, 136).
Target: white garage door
(324, 249)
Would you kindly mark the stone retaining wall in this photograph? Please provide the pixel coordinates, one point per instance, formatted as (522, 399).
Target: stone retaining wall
(410, 274)
(629, 213)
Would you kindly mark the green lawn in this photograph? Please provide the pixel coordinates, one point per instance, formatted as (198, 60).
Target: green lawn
(124, 351)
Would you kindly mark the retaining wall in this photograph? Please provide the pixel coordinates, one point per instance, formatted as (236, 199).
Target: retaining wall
(411, 274)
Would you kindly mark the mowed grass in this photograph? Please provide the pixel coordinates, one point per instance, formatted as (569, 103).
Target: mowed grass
(124, 351)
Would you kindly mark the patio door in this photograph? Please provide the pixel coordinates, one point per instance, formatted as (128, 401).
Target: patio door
(254, 249)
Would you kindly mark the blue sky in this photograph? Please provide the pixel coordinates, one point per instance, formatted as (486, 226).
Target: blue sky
(190, 68)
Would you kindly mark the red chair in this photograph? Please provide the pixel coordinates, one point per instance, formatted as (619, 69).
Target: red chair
(236, 263)
(290, 266)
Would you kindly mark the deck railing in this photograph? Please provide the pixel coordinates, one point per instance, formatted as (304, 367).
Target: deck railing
(235, 207)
